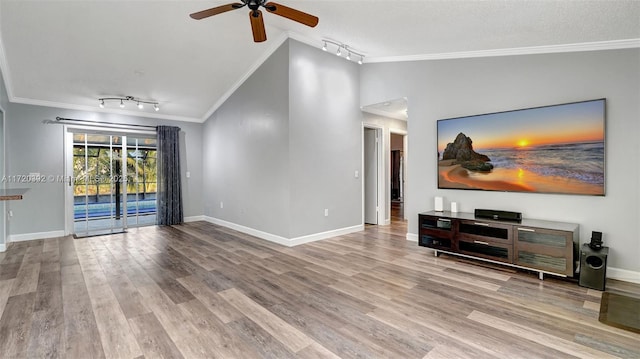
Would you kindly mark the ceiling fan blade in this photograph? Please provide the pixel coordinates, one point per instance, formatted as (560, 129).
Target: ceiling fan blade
(257, 26)
(215, 11)
(292, 14)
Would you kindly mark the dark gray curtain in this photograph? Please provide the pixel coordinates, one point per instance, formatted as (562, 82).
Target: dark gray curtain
(169, 188)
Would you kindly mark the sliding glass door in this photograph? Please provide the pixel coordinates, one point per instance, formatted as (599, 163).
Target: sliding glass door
(113, 182)
(142, 181)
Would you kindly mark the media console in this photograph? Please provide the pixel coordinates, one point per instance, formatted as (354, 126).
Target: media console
(541, 246)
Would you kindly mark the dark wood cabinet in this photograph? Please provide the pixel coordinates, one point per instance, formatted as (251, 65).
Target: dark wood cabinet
(437, 233)
(543, 246)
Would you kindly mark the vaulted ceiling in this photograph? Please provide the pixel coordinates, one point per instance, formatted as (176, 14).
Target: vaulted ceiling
(70, 53)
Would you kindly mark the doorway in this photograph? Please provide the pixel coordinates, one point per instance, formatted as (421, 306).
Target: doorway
(397, 176)
(112, 182)
(390, 119)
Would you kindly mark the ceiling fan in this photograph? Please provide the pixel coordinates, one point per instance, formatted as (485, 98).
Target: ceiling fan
(255, 15)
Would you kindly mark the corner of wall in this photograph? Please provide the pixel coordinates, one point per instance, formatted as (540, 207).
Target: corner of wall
(288, 242)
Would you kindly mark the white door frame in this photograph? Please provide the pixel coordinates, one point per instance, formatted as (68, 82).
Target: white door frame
(382, 201)
(68, 167)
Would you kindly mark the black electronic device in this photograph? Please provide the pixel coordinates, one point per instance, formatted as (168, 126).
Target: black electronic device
(596, 240)
(498, 215)
(593, 267)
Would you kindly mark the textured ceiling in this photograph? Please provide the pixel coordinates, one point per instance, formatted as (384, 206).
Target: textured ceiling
(70, 53)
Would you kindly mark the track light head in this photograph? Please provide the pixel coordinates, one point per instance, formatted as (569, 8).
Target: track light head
(155, 107)
(140, 106)
(339, 52)
(349, 56)
(101, 103)
(360, 61)
(324, 47)
(121, 104)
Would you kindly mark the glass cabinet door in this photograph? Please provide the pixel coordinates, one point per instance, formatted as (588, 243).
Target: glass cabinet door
(544, 249)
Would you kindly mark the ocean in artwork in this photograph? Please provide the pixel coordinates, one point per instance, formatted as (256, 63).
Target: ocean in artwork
(583, 162)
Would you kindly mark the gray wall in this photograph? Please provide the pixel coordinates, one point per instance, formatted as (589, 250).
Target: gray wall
(325, 141)
(33, 146)
(285, 146)
(4, 98)
(245, 149)
(451, 88)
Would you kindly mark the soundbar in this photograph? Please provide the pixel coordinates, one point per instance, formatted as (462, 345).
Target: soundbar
(498, 215)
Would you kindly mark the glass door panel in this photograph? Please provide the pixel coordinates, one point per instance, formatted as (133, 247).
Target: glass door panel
(99, 185)
(141, 181)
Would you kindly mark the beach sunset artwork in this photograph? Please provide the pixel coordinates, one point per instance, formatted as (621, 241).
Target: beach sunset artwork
(551, 149)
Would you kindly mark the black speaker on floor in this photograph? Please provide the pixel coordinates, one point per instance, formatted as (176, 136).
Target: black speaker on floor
(593, 267)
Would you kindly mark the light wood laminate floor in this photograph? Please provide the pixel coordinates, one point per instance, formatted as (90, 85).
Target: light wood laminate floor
(204, 291)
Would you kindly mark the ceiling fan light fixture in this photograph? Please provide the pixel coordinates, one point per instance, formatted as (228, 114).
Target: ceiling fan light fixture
(257, 23)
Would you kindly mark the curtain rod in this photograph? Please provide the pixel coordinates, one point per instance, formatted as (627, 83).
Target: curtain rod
(98, 123)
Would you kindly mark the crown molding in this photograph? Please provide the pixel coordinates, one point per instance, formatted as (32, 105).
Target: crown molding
(533, 50)
(578, 47)
(67, 106)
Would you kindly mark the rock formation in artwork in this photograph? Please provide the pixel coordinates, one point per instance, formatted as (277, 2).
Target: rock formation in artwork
(461, 150)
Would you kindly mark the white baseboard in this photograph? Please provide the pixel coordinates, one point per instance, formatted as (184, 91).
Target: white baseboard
(613, 273)
(33, 236)
(289, 242)
(324, 235)
(412, 237)
(194, 219)
(623, 275)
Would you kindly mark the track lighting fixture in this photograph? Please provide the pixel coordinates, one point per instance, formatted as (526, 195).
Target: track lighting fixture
(340, 47)
(139, 103)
